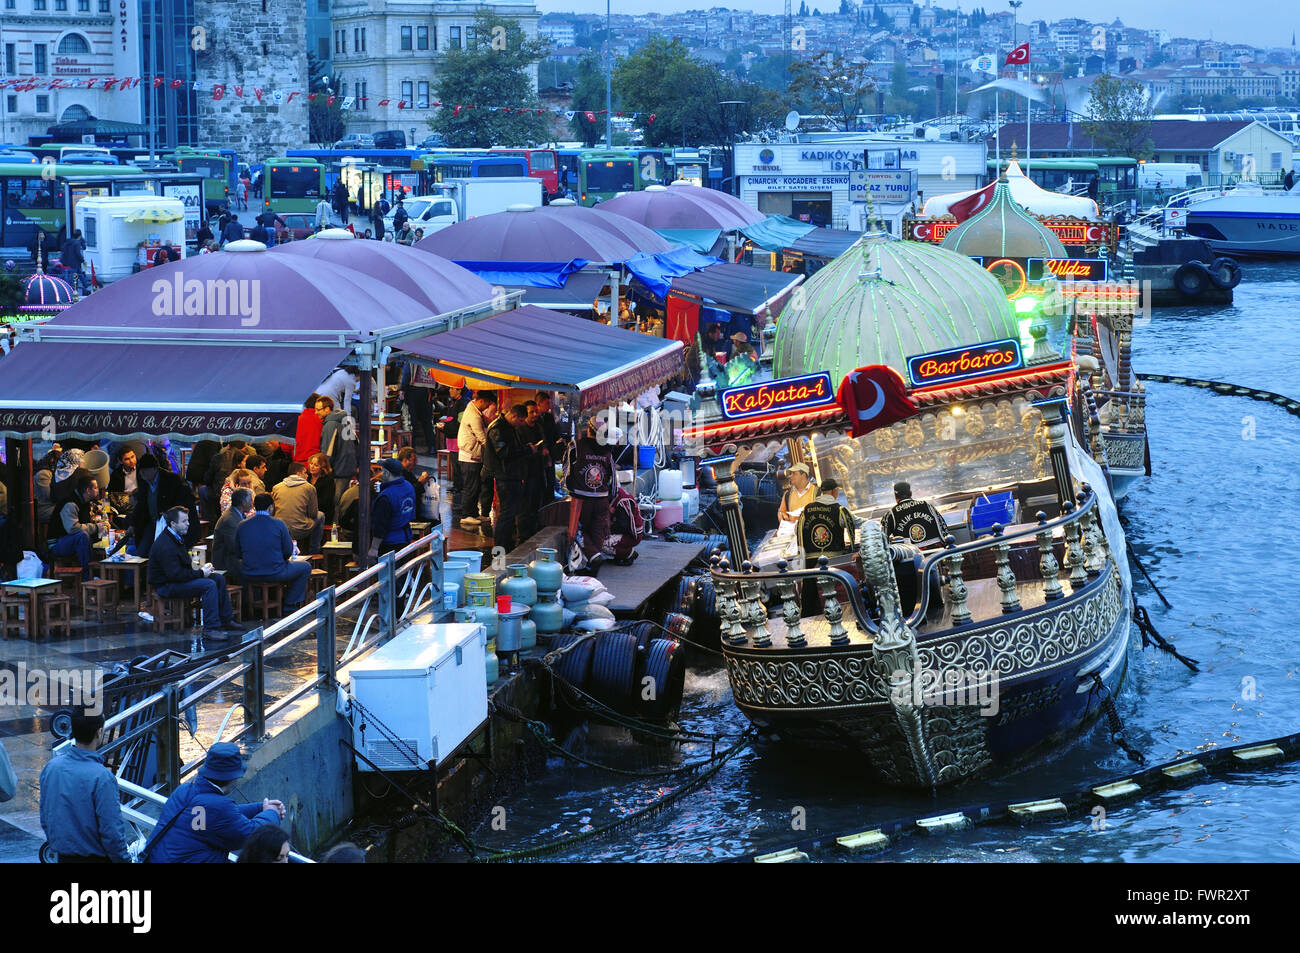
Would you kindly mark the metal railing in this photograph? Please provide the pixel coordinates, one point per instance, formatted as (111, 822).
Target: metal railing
(400, 586)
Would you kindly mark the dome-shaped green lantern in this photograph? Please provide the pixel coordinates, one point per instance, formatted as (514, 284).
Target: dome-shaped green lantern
(1003, 229)
(885, 300)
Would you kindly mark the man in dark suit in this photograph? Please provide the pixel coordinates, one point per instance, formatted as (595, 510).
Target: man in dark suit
(225, 551)
(172, 573)
(157, 492)
(265, 549)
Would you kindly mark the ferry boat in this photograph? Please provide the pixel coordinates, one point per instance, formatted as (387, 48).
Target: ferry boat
(942, 664)
(1248, 220)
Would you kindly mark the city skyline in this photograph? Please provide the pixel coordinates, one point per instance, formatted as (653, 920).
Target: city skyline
(1253, 21)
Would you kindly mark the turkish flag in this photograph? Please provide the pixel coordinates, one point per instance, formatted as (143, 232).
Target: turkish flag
(874, 397)
(1019, 56)
(591, 116)
(972, 203)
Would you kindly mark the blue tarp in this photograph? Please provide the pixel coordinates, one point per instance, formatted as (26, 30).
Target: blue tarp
(701, 240)
(776, 232)
(529, 274)
(656, 272)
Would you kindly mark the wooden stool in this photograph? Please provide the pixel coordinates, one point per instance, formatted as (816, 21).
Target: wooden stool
(56, 615)
(316, 582)
(236, 594)
(13, 615)
(443, 464)
(99, 596)
(70, 576)
(168, 612)
(267, 598)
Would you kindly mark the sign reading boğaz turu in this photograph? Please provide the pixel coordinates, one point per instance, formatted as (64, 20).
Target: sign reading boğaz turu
(1068, 269)
(774, 397)
(964, 363)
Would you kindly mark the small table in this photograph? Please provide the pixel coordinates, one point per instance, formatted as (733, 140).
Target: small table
(337, 556)
(33, 588)
(115, 568)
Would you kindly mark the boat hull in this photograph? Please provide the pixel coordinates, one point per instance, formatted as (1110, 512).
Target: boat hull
(1247, 232)
(1037, 668)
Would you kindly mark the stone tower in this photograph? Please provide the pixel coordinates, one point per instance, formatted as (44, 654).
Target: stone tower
(253, 46)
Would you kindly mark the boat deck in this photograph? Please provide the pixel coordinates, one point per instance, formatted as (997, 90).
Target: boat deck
(984, 602)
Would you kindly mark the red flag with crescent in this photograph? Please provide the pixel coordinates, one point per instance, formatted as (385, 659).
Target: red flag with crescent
(1019, 56)
(874, 397)
(972, 203)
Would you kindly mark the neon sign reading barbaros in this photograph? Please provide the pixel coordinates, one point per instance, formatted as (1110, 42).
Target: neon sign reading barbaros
(966, 363)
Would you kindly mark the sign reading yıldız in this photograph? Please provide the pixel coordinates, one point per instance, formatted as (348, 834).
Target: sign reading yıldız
(774, 397)
(964, 363)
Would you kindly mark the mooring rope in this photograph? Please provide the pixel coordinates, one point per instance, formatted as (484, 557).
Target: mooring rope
(1233, 390)
(1151, 637)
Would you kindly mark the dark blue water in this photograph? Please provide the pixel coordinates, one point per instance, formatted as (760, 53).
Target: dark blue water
(1215, 527)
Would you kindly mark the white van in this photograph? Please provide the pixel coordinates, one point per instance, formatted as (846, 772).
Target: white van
(1170, 176)
(114, 227)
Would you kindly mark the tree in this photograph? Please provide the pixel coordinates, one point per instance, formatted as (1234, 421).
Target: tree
(1119, 117)
(846, 8)
(588, 95)
(831, 84)
(493, 78)
(803, 8)
(325, 123)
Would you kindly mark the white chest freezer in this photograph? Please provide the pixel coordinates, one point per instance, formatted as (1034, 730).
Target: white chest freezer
(427, 687)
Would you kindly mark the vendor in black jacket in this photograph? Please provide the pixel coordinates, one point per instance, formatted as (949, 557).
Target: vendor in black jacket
(506, 456)
(172, 574)
(157, 492)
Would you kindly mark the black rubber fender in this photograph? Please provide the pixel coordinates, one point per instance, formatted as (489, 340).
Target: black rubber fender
(575, 666)
(665, 663)
(687, 593)
(1225, 273)
(705, 598)
(614, 670)
(1192, 279)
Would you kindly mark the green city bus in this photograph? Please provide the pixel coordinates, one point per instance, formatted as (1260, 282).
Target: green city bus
(1098, 177)
(292, 185)
(214, 168)
(604, 174)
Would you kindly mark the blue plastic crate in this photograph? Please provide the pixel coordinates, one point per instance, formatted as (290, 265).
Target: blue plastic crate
(987, 510)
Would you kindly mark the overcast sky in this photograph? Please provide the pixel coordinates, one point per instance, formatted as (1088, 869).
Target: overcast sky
(1260, 22)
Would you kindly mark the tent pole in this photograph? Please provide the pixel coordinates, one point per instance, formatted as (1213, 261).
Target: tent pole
(363, 469)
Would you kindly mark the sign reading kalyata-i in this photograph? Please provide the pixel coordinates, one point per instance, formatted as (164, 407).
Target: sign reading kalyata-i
(779, 396)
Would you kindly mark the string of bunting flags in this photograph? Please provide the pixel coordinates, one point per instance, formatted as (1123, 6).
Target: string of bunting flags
(221, 91)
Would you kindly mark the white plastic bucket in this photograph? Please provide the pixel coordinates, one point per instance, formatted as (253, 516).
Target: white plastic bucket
(472, 557)
(453, 579)
(670, 485)
(450, 595)
(668, 513)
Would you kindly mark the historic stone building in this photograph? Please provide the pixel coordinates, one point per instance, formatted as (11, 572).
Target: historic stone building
(389, 49)
(256, 48)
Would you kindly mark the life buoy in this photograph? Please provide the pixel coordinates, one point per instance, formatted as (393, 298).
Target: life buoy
(1192, 279)
(1225, 273)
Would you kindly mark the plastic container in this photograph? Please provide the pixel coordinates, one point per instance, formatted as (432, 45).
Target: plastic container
(450, 595)
(670, 484)
(690, 503)
(480, 588)
(471, 556)
(503, 604)
(645, 457)
(994, 508)
(453, 577)
(669, 513)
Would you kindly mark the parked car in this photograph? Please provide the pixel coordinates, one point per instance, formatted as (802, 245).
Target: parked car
(356, 140)
(434, 141)
(299, 224)
(390, 139)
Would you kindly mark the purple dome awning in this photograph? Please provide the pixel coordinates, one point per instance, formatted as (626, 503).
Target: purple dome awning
(555, 232)
(246, 287)
(683, 206)
(439, 284)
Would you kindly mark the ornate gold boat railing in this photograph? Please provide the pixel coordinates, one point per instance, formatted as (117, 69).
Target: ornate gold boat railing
(744, 615)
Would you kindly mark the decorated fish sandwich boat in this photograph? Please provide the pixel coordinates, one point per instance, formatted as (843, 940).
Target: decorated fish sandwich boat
(936, 657)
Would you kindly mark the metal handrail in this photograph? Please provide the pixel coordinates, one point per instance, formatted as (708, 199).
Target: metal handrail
(272, 639)
(845, 579)
(1087, 502)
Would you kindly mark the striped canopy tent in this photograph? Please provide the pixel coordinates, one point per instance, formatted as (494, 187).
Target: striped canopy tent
(884, 301)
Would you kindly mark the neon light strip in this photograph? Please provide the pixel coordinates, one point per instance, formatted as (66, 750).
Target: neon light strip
(1048, 370)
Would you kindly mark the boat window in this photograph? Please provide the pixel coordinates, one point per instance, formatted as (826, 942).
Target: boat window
(958, 447)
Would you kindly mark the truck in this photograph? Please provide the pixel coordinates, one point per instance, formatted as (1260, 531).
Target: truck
(124, 232)
(457, 200)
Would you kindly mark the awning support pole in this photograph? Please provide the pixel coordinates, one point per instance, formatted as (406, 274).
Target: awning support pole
(363, 466)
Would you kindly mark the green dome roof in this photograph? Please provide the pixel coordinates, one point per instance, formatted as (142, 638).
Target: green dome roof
(1004, 230)
(883, 301)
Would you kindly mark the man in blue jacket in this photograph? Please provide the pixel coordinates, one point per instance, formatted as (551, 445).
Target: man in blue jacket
(172, 573)
(200, 824)
(81, 812)
(394, 509)
(265, 551)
